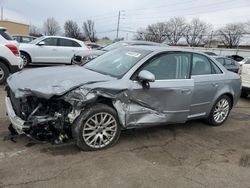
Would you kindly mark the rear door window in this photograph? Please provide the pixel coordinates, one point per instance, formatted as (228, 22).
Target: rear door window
(68, 43)
(201, 65)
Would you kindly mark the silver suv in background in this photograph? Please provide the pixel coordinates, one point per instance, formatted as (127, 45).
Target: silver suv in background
(245, 77)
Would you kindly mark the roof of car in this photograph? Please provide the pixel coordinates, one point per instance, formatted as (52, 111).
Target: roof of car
(62, 37)
(23, 36)
(142, 42)
(164, 49)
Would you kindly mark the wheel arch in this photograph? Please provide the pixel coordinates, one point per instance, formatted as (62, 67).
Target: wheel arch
(5, 62)
(22, 51)
(230, 96)
(110, 102)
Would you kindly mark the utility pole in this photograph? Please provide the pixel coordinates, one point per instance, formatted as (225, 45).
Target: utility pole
(211, 37)
(1, 13)
(118, 24)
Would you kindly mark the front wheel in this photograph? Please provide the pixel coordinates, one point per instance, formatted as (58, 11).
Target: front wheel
(96, 128)
(220, 111)
(26, 59)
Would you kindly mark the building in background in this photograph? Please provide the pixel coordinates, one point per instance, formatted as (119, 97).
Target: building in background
(15, 27)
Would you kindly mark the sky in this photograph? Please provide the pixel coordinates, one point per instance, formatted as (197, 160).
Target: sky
(135, 14)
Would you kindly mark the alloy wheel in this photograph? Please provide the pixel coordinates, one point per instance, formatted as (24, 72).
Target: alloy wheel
(25, 60)
(1, 73)
(221, 110)
(99, 130)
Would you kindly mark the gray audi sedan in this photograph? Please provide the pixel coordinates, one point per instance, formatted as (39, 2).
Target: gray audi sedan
(126, 88)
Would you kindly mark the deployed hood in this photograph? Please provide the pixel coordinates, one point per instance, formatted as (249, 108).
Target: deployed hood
(50, 81)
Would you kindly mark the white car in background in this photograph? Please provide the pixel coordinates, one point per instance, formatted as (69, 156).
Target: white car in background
(245, 78)
(51, 50)
(10, 60)
(247, 59)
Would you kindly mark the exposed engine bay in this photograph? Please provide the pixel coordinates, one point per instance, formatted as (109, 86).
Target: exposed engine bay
(48, 120)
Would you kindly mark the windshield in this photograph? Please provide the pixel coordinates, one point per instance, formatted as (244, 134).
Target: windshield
(115, 46)
(37, 40)
(116, 62)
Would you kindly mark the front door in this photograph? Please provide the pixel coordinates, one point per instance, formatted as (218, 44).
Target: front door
(47, 53)
(168, 99)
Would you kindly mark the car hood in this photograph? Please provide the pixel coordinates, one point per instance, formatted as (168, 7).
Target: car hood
(51, 81)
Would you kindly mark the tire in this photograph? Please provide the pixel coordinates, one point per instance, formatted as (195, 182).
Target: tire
(26, 59)
(4, 73)
(215, 120)
(91, 136)
(244, 94)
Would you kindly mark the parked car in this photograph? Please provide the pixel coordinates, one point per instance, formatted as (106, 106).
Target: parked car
(228, 63)
(210, 53)
(51, 50)
(84, 57)
(94, 46)
(236, 57)
(23, 38)
(125, 88)
(245, 77)
(247, 59)
(10, 60)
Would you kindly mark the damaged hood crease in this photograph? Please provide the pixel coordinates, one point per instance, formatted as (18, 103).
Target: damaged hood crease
(59, 80)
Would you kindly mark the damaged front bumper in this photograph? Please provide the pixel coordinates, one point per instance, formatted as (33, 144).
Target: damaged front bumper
(17, 123)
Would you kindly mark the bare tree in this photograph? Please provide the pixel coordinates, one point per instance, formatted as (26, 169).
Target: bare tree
(197, 32)
(89, 30)
(155, 32)
(72, 30)
(51, 27)
(35, 31)
(231, 34)
(175, 29)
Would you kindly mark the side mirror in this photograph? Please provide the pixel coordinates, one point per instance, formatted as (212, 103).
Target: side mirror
(146, 76)
(42, 43)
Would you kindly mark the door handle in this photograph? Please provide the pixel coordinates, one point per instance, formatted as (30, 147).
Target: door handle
(186, 91)
(54, 49)
(215, 84)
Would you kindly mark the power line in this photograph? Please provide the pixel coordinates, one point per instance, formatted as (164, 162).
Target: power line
(199, 12)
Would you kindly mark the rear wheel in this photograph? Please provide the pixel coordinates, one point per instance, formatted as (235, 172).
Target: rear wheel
(96, 128)
(4, 73)
(220, 111)
(26, 59)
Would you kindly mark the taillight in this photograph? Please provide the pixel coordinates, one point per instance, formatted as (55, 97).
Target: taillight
(89, 47)
(13, 49)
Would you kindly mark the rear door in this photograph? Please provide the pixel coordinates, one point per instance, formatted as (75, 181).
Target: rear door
(66, 49)
(167, 99)
(207, 80)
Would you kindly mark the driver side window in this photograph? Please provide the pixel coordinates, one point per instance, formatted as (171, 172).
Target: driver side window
(50, 42)
(170, 66)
